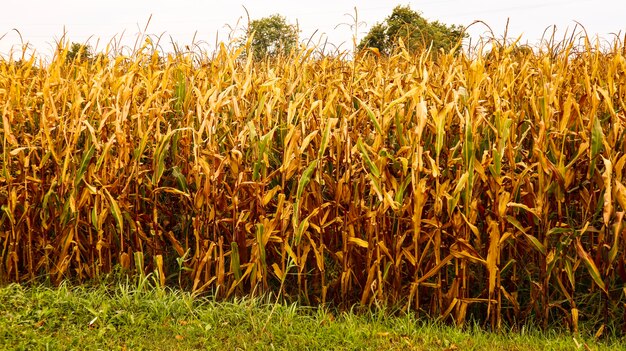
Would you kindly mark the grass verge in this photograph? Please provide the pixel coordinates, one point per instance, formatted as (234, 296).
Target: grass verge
(129, 317)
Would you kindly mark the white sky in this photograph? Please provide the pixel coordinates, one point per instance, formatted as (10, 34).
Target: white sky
(41, 23)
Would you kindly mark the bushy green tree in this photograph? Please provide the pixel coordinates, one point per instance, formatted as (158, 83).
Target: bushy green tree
(79, 52)
(414, 30)
(272, 36)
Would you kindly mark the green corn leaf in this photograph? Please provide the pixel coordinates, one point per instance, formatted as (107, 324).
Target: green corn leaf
(596, 144)
(468, 155)
(306, 178)
(399, 198)
(591, 266)
(6, 210)
(570, 273)
(69, 208)
(46, 199)
(139, 149)
(94, 217)
(497, 167)
(252, 130)
(372, 167)
(180, 178)
(371, 115)
(439, 128)
(115, 211)
(399, 129)
(536, 243)
(259, 241)
(596, 138)
(515, 223)
(302, 227)
(325, 138)
(235, 265)
(105, 152)
(302, 183)
(159, 156)
(83, 165)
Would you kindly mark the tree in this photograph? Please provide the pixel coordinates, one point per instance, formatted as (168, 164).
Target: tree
(272, 36)
(79, 52)
(414, 30)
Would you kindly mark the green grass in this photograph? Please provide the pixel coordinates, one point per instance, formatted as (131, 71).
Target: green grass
(137, 317)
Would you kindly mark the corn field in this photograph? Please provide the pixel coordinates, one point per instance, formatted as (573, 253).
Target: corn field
(487, 187)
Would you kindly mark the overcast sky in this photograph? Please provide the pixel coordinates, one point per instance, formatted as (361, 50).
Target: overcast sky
(41, 23)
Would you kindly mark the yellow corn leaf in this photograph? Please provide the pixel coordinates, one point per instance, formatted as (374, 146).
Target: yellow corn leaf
(175, 243)
(493, 256)
(619, 167)
(446, 313)
(435, 269)
(620, 194)
(307, 141)
(172, 191)
(409, 93)
(359, 242)
(7, 128)
(599, 333)
(159, 263)
(277, 271)
(466, 253)
(460, 185)
(524, 207)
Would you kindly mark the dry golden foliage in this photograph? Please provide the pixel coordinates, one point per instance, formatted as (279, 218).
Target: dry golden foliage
(489, 187)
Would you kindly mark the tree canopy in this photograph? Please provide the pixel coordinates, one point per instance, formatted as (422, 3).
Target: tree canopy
(80, 52)
(416, 32)
(272, 36)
